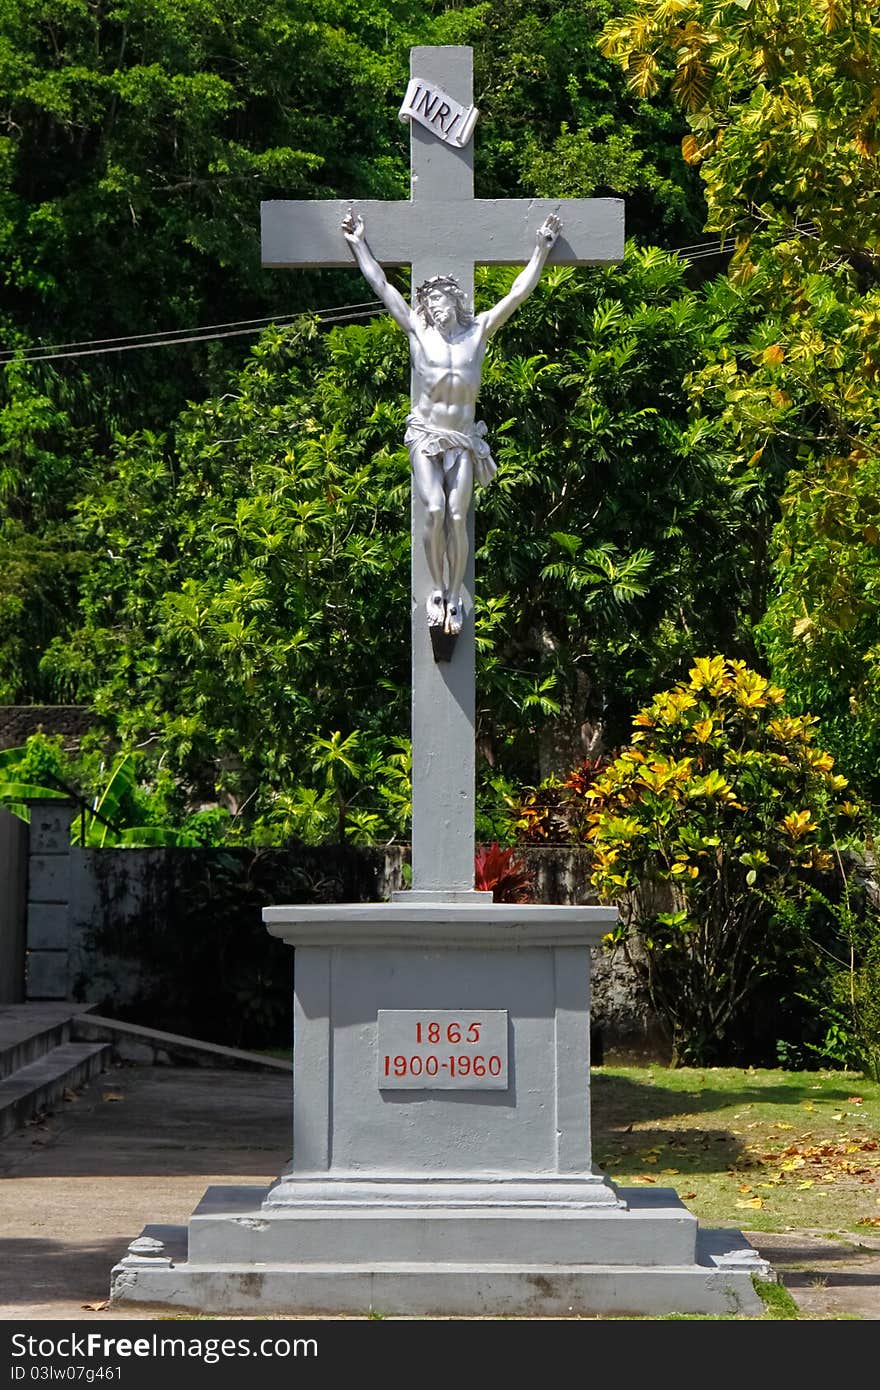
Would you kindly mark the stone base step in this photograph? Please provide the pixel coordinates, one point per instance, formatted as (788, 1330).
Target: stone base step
(39, 1084)
(720, 1281)
(232, 1226)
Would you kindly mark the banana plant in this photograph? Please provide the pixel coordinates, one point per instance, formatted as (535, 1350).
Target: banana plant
(100, 822)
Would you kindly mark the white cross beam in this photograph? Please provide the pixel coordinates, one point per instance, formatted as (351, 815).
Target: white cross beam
(442, 229)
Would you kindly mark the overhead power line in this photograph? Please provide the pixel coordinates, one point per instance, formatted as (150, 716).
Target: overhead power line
(196, 337)
(203, 328)
(240, 328)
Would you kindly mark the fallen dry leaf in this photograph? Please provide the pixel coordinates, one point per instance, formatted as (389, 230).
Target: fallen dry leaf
(112, 1095)
(853, 1100)
(96, 1307)
(751, 1202)
(689, 1196)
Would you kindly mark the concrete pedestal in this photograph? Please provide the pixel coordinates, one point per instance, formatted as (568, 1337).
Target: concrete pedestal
(441, 1140)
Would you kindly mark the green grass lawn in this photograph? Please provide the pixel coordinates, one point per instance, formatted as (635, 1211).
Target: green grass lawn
(759, 1150)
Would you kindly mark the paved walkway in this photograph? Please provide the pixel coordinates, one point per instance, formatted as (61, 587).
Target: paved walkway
(139, 1146)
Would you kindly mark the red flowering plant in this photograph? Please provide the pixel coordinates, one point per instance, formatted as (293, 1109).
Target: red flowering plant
(503, 874)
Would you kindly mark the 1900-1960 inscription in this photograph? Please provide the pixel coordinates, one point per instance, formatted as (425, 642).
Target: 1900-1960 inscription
(442, 1049)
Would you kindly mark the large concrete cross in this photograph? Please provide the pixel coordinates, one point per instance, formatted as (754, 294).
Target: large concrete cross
(442, 229)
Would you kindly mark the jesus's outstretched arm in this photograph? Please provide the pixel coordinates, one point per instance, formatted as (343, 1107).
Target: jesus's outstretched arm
(354, 232)
(525, 282)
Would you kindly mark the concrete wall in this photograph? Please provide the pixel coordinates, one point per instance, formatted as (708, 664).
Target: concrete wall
(95, 916)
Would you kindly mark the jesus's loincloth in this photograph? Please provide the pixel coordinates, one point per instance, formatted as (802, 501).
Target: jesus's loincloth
(431, 440)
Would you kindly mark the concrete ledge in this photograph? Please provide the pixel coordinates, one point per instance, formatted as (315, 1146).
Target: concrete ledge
(148, 1046)
(424, 925)
(508, 1191)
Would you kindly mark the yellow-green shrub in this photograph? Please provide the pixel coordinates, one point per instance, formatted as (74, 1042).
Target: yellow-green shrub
(722, 804)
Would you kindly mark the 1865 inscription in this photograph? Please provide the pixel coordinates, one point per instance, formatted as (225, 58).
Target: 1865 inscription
(442, 1049)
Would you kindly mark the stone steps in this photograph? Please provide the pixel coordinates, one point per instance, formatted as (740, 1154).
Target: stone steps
(37, 1085)
(29, 1031)
(48, 1047)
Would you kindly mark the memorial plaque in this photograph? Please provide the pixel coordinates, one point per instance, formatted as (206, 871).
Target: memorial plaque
(442, 1049)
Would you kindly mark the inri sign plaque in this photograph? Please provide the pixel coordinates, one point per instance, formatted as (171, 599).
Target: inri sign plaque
(442, 1049)
(428, 104)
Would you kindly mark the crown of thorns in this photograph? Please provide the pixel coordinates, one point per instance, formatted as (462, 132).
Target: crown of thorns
(450, 286)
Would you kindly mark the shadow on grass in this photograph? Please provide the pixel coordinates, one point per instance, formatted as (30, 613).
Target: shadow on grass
(619, 1099)
(619, 1103)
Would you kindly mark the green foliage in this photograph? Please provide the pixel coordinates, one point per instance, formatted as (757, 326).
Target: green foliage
(557, 120)
(248, 573)
(781, 96)
(822, 626)
(116, 806)
(224, 616)
(222, 583)
(840, 935)
(626, 493)
(721, 801)
(140, 141)
(149, 132)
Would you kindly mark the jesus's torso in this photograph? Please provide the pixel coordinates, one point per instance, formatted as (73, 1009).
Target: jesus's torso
(447, 375)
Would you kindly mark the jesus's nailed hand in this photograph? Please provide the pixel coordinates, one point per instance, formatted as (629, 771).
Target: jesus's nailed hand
(548, 232)
(352, 227)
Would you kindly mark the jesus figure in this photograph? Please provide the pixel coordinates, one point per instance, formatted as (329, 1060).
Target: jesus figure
(446, 442)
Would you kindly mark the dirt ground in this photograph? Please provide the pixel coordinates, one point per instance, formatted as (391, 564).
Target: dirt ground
(140, 1145)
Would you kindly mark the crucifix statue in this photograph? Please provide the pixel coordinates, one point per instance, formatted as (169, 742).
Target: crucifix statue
(442, 231)
(447, 444)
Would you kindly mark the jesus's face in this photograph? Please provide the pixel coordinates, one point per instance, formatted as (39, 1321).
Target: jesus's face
(442, 310)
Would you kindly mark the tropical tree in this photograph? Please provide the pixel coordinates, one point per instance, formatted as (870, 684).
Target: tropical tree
(113, 806)
(140, 139)
(781, 98)
(822, 626)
